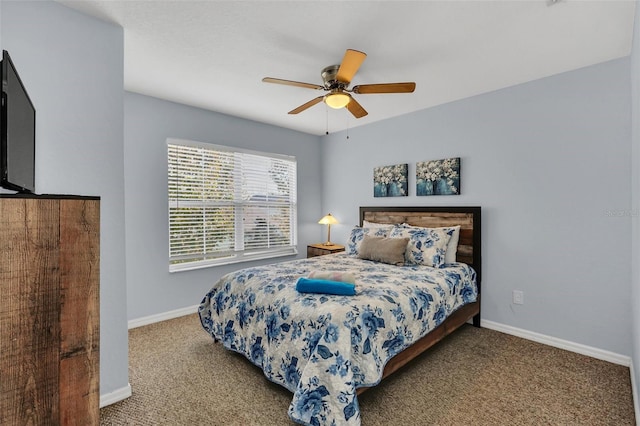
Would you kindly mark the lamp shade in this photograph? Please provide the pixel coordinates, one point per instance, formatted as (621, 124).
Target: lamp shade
(328, 220)
(337, 100)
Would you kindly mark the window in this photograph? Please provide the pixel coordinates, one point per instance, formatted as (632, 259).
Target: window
(228, 205)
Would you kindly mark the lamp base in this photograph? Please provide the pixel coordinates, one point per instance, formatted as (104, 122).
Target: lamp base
(328, 243)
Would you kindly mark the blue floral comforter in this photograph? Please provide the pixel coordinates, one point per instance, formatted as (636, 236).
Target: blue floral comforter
(323, 347)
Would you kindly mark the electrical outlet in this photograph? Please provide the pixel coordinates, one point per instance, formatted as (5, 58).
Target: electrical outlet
(518, 297)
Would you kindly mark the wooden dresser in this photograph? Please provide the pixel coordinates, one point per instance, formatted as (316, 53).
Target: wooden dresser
(49, 310)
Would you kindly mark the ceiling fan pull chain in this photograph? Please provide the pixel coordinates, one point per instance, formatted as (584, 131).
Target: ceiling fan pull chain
(326, 110)
(347, 127)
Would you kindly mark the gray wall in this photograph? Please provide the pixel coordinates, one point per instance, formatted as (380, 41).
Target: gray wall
(72, 66)
(635, 191)
(547, 161)
(151, 289)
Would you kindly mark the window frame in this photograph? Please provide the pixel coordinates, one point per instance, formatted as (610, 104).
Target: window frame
(239, 227)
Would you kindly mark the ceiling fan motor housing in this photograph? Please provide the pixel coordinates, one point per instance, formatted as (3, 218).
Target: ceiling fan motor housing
(329, 77)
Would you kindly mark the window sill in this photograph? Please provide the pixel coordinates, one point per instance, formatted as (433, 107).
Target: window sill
(229, 261)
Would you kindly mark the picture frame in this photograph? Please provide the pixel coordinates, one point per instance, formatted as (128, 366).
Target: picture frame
(391, 181)
(438, 177)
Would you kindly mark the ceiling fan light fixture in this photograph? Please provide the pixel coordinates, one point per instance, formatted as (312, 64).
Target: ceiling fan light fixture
(337, 100)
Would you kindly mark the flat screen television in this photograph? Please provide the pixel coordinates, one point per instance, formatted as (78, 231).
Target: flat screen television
(18, 132)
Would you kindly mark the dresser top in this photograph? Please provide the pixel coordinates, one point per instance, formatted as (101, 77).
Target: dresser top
(50, 196)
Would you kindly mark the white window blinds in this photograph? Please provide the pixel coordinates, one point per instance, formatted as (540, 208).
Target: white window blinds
(228, 205)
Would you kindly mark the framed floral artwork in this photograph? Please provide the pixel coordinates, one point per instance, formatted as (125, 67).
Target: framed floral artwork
(390, 181)
(438, 177)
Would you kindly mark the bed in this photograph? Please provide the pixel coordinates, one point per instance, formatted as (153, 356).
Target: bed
(326, 349)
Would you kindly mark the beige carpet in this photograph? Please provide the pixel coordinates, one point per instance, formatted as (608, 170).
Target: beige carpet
(179, 376)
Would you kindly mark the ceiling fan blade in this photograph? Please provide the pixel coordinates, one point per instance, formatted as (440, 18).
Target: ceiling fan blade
(356, 109)
(385, 88)
(350, 65)
(292, 83)
(309, 104)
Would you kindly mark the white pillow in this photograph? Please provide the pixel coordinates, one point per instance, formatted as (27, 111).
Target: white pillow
(452, 246)
(367, 224)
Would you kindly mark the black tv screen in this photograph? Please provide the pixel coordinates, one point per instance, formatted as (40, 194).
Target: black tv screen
(18, 132)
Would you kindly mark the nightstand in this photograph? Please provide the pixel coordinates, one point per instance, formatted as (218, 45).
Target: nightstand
(321, 249)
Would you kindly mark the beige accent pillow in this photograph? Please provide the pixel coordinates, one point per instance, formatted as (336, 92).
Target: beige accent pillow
(381, 249)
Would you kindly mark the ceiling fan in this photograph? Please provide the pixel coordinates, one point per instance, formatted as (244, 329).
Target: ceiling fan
(336, 81)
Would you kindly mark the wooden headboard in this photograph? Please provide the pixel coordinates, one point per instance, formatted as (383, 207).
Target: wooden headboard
(469, 219)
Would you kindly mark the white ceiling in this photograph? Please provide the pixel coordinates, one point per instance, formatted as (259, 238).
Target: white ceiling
(214, 54)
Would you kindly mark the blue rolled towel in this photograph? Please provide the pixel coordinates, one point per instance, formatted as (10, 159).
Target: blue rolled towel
(309, 285)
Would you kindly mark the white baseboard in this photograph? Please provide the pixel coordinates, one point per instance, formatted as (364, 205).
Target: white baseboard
(559, 343)
(514, 331)
(139, 322)
(115, 396)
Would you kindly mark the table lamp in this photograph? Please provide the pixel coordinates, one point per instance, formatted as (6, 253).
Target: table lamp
(328, 220)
